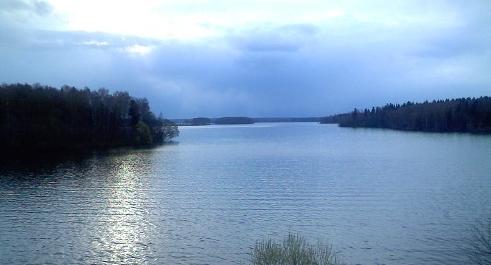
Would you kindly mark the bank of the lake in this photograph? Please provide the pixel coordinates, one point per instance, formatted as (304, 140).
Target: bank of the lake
(464, 115)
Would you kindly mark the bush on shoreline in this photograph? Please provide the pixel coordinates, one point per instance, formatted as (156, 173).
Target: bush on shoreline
(479, 251)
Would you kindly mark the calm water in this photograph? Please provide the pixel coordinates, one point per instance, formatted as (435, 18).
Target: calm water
(380, 196)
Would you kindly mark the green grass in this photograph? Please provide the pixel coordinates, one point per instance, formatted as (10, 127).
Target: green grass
(293, 250)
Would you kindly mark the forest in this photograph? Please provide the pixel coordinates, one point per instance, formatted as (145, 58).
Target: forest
(200, 121)
(233, 120)
(44, 118)
(449, 115)
(203, 121)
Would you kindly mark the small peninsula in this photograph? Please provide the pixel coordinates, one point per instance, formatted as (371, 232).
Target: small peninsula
(451, 115)
(36, 118)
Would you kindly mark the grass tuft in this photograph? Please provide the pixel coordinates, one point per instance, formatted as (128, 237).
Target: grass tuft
(480, 246)
(293, 250)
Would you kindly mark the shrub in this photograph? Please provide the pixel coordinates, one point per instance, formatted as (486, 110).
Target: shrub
(293, 250)
(143, 134)
(480, 246)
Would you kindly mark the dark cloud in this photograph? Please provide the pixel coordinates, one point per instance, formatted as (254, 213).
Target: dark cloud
(13, 5)
(42, 8)
(47, 40)
(39, 7)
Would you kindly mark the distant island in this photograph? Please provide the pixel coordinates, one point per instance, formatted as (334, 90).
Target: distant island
(201, 121)
(42, 118)
(234, 120)
(288, 119)
(450, 115)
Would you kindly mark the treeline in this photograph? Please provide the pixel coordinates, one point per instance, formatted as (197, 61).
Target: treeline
(450, 115)
(234, 120)
(302, 119)
(35, 117)
(201, 121)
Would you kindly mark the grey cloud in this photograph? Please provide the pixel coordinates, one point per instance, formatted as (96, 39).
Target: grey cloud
(468, 39)
(44, 39)
(38, 7)
(288, 38)
(182, 79)
(42, 8)
(13, 5)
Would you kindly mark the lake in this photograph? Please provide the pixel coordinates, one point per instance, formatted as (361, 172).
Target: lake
(379, 196)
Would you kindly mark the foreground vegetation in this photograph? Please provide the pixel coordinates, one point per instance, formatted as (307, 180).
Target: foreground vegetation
(479, 251)
(40, 118)
(455, 115)
(293, 250)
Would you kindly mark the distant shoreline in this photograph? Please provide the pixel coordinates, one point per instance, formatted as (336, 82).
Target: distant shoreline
(461, 115)
(200, 121)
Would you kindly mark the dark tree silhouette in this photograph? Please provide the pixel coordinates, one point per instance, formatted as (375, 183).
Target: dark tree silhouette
(200, 121)
(455, 115)
(35, 117)
(234, 120)
(134, 112)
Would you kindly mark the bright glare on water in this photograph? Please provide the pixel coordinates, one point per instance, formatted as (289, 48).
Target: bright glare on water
(379, 196)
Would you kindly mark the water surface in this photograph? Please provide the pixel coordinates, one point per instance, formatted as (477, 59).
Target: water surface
(380, 196)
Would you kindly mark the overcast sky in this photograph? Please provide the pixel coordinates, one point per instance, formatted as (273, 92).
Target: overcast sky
(254, 58)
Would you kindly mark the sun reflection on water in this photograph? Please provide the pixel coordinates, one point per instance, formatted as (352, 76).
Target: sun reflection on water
(121, 232)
